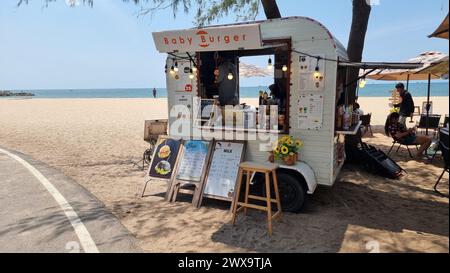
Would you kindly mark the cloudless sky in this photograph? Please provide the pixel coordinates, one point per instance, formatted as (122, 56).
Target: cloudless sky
(108, 46)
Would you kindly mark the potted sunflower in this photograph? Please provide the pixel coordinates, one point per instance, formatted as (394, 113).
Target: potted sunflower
(286, 149)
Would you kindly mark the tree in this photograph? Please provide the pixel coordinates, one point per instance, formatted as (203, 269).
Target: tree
(355, 48)
(206, 11)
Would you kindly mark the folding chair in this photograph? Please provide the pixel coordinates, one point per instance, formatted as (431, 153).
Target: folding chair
(365, 121)
(400, 144)
(443, 144)
(445, 121)
(152, 130)
(433, 123)
(416, 113)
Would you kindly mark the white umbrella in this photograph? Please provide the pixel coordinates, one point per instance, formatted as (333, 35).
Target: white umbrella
(434, 64)
(250, 71)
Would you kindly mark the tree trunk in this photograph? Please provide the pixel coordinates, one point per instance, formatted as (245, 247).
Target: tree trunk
(271, 9)
(355, 48)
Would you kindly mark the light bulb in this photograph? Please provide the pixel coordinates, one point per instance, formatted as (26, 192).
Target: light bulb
(317, 74)
(230, 76)
(176, 67)
(194, 69)
(172, 70)
(191, 74)
(285, 68)
(362, 83)
(270, 64)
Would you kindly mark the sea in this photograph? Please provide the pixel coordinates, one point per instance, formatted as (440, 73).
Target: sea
(438, 89)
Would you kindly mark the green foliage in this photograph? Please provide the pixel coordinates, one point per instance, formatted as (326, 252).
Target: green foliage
(207, 11)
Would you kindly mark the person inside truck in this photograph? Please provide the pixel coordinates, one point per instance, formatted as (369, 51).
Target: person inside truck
(227, 81)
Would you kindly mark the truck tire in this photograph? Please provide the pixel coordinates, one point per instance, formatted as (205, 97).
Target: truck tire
(292, 192)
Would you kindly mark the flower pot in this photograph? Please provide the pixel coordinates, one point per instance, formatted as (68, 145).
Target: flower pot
(290, 159)
(271, 158)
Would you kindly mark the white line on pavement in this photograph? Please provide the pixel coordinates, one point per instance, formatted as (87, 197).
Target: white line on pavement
(83, 234)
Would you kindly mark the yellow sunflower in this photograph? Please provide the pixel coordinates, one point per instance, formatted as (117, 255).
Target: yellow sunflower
(289, 142)
(299, 143)
(277, 150)
(275, 144)
(284, 150)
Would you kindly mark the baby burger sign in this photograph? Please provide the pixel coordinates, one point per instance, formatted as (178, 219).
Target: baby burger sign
(209, 39)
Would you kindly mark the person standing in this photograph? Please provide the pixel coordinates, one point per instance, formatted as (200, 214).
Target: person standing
(406, 105)
(154, 93)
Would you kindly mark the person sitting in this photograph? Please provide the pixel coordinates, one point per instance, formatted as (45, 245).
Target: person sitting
(401, 134)
(357, 109)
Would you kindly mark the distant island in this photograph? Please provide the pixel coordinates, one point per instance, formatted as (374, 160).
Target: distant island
(15, 94)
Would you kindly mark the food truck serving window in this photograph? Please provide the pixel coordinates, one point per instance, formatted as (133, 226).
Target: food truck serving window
(220, 74)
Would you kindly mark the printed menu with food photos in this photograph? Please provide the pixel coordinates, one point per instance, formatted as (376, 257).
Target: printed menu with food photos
(164, 158)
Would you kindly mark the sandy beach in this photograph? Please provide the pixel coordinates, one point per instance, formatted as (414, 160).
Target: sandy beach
(95, 141)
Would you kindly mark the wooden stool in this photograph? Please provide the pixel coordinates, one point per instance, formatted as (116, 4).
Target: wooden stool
(267, 170)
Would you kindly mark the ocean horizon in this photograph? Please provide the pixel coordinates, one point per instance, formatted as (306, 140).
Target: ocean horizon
(440, 89)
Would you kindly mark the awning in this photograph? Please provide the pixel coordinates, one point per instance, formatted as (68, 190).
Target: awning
(382, 65)
(442, 30)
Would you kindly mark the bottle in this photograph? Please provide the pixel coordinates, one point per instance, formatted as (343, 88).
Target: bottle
(346, 120)
(339, 117)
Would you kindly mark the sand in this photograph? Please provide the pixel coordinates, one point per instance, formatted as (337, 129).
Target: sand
(95, 142)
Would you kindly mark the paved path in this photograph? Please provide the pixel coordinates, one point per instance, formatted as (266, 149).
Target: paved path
(41, 210)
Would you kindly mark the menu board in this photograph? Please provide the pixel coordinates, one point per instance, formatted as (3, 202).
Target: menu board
(164, 158)
(310, 111)
(194, 160)
(224, 168)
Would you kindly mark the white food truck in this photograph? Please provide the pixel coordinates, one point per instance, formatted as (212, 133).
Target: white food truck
(309, 81)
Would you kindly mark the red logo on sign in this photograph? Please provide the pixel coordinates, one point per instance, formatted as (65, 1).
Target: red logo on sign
(188, 88)
(202, 37)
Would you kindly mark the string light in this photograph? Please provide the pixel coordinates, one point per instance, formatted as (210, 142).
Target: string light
(230, 75)
(270, 64)
(172, 70)
(362, 83)
(194, 69)
(176, 66)
(191, 74)
(285, 68)
(317, 73)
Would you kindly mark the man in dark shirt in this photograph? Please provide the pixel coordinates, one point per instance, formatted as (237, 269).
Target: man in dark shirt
(407, 104)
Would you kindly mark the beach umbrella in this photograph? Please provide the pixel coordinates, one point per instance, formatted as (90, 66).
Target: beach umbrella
(428, 59)
(435, 66)
(442, 30)
(251, 71)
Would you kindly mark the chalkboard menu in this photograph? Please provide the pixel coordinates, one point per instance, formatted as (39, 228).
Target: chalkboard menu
(194, 160)
(164, 158)
(223, 169)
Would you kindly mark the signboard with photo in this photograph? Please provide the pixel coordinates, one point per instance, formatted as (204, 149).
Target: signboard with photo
(164, 158)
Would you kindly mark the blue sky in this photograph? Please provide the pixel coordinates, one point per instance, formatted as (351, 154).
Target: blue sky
(109, 47)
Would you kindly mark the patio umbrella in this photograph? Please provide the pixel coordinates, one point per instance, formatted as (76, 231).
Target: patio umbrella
(442, 30)
(435, 66)
(250, 71)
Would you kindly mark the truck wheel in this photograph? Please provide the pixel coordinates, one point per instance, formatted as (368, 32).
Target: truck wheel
(292, 192)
